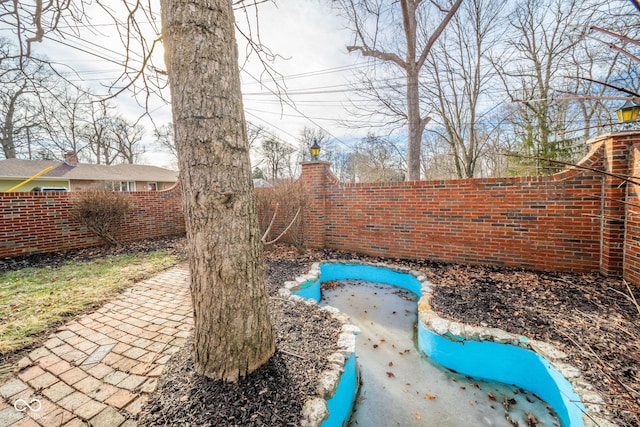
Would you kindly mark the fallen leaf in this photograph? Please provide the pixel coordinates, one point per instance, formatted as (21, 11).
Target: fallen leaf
(508, 403)
(390, 363)
(514, 423)
(390, 374)
(430, 396)
(417, 416)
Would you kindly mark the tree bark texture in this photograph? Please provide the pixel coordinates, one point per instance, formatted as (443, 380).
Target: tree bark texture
(232, 331)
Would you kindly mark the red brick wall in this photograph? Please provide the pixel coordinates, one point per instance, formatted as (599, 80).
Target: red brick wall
(578, 220)
(39, 223)
(546, 223)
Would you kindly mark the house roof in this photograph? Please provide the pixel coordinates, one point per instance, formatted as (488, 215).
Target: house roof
(23, 169)
(259, 182)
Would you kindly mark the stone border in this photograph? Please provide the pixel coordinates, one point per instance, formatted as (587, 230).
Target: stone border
(315, 410)
(593, 402)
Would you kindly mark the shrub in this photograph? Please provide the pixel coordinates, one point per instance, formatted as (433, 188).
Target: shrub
(102, 212)
(280, 213)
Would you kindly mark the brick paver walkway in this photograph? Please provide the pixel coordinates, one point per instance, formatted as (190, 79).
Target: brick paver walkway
(99, 369)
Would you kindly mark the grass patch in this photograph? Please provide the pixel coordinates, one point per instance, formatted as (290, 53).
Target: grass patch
(34, 299)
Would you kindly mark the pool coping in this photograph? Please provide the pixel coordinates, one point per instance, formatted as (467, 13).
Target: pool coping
(315, 411)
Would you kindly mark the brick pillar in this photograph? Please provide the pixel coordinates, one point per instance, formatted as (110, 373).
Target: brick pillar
(315, 177)
(614, 191)
(631, 266)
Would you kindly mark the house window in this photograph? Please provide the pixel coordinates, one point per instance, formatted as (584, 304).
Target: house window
(123, 186)
(152, 186)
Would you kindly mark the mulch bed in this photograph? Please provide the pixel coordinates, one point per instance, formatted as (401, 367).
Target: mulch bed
(594, 320)
(56, 259)
(272, 395)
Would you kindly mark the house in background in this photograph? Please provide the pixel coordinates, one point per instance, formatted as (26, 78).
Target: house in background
(76, 176)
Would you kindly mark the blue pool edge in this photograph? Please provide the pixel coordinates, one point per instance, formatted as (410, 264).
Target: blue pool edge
(449, 344)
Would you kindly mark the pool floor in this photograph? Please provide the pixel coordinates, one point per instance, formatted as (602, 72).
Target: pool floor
(401, 387)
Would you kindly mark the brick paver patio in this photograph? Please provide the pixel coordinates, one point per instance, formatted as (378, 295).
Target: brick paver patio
(99, 369)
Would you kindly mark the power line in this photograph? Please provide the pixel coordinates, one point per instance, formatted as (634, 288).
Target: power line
(291, 105)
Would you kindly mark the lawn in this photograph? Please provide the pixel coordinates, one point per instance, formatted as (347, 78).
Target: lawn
(34, 299)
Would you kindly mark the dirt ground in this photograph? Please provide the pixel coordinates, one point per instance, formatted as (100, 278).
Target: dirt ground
(595, 320)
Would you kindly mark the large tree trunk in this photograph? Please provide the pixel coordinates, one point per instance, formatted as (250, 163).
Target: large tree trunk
(415, 126)
(233, 334)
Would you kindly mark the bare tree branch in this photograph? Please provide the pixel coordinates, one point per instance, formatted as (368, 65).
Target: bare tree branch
(384, 56)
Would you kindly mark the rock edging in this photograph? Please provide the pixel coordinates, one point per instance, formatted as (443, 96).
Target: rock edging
(315, 411)
(596, 416)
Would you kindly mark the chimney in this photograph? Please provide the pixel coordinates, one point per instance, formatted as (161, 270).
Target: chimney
(71, 159)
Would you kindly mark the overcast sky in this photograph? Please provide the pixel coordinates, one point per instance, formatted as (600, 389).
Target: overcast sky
(315, 66)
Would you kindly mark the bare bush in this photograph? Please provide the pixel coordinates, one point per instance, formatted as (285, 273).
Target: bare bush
(102, 212)
(280, 213)
(265, 205)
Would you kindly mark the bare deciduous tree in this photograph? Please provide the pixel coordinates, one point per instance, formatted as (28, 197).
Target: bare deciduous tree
(462, 75)
(24, 85)
(165, 138)
(128, 137)
(66, 118)
(277, 157)
(101, 144)
(534, 71)
(375, 25)
(376, 159)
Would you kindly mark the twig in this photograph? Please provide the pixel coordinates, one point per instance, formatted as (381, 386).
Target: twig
(631, 296)
(607, 370)
(292, 354)
(629, 179)
(610, 405)
(286, 229)
(273, 219)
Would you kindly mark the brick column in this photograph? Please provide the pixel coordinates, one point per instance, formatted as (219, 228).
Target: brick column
(614, 191)
(315, 178)
(631, 266)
